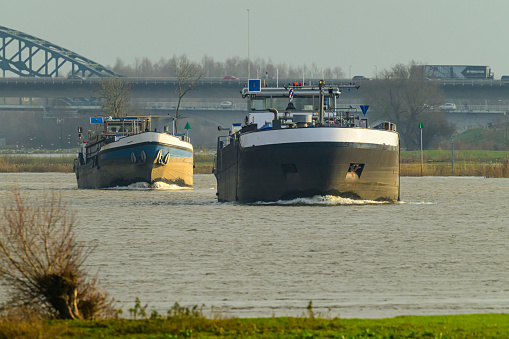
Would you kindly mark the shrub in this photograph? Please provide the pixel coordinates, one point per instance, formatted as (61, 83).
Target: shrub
(41, 261)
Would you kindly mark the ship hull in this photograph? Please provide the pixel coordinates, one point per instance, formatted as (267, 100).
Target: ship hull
(147, 157)
(264, 170)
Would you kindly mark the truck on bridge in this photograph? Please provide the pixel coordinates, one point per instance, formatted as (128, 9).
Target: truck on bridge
(455, 71)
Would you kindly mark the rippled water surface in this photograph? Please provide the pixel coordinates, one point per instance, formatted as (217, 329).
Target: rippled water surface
(443, 250)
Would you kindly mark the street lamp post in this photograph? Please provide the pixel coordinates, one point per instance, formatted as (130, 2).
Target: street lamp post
(421, 126)
(248, 60)
(452, 155)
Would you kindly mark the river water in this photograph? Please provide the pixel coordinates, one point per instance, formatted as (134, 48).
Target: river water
(443, 250)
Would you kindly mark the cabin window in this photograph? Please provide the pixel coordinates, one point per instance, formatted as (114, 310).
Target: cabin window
(113, 129)
(258, 104)
(300, 103)
(120, 128)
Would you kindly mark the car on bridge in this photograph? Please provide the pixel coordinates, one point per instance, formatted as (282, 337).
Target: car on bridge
(230, 78)
(226, 104)
(448, 106)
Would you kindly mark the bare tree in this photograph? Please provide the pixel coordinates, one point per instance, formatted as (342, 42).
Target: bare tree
(231, 66)
(115, 95)
(404, 96)
(41, 261)
(188, 74)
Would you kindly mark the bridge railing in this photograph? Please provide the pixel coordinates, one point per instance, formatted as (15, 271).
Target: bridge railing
(172, 105)
(235, 106)
(502, 109)
(240, 81)
(160, 106)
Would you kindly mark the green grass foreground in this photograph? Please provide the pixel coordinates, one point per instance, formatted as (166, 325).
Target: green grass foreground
(452, 326)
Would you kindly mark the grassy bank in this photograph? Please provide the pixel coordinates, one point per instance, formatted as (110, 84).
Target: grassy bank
(453, 326)
(488, 170)
(23, 163)
(64, 164)
(203, 163)
(491, 164)
(459, 156)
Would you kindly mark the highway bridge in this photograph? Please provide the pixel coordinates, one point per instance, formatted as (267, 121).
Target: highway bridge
(35, 68)
(478, 102)
(44, 87)
(39, 76)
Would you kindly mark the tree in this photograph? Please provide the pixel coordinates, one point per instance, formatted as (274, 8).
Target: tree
(436, 128)
(188, 74)
(404, 96)
(143, 67)
(115, 95)
(41, 261)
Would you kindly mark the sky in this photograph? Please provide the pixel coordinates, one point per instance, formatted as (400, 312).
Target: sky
(362, 37)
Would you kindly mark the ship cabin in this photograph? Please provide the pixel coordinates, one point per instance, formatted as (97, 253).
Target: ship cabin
(299, 106)
(123, 126)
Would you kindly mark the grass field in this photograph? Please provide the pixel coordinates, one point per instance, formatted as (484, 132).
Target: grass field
(182, 326)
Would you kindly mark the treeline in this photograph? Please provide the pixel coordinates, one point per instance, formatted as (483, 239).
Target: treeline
(144, 67)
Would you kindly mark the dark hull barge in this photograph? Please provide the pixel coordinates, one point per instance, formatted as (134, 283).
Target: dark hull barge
(304, 153)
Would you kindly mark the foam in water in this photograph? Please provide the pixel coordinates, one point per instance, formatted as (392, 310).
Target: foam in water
(417, 203)
(327, 200)
(164, 186)
(157, 186)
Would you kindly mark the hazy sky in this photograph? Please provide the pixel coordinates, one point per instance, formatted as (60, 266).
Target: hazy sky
(361, 37)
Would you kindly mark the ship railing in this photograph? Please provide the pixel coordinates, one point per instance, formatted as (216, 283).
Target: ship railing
(223, 141)
(182, 137)
(386, 125)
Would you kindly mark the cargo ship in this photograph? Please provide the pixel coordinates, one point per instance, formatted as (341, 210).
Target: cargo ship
(296, 141)
(121, 151)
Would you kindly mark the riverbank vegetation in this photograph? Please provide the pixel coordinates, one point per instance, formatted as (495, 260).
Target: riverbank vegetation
(42, 262)
(491, 164)
(181, 322)
(33, 163)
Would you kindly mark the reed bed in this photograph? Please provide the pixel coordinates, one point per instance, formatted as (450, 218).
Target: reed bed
(473, 156)
(203, 163)
(489, 164)
(14, 163)
(464, 168)
(203, 167)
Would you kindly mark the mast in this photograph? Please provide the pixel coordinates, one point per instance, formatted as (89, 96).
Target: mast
(320, 101)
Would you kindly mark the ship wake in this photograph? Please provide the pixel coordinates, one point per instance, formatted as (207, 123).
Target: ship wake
(325, 200)
(155, 186)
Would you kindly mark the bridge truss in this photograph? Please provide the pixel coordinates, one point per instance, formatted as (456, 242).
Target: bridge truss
(28, 56)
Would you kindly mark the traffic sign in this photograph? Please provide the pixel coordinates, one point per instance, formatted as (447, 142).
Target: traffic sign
(254, 85)
(187, 126)
(421, 125)
(364, 109)
(96, 120)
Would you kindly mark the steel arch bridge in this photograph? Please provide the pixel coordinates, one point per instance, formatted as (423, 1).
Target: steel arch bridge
(28, 56)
